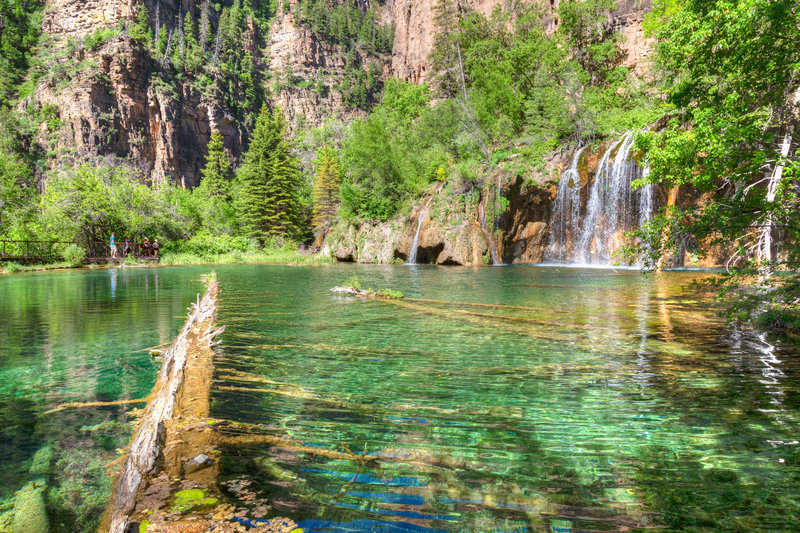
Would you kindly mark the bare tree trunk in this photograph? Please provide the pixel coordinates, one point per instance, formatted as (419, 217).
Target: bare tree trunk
(764, 255)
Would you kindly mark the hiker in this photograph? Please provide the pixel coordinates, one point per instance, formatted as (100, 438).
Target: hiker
(127, 250)
(113, 246)
(155, 247)
(146, 247)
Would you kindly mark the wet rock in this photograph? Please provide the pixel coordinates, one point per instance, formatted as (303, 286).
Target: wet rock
(198, 463)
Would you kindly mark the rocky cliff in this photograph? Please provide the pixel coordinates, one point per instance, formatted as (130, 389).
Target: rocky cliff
(111, 106)
(415, 30)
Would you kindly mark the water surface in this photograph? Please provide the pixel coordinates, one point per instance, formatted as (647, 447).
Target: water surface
(73, 337)
(579, 400)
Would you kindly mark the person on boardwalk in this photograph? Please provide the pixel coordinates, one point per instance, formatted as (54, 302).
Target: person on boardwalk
(127, 250)
(155, 247)
(113, 246)
(146, 247)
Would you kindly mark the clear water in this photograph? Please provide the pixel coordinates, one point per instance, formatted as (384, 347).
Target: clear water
(76, 336)
(602, 401)
(588, 400)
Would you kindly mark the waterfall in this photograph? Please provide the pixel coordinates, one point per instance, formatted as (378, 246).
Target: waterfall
(566, 216)
(421, 216)
(613, 208)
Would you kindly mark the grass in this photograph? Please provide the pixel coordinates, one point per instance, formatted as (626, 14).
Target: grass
(8, 268)
(281, 256)
(276, 256)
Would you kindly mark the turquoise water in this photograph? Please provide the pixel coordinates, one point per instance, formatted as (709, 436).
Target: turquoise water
(77, 336)
(567, 400)
(590, 400)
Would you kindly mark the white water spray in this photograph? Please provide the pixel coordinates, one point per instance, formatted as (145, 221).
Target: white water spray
(613, 208)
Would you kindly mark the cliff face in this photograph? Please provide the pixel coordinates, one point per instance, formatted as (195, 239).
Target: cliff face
(112, 107)
(415, 29)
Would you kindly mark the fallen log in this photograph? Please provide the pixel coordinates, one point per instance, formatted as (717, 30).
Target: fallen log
(182, 388)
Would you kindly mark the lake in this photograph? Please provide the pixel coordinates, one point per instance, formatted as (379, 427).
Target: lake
(496, 399)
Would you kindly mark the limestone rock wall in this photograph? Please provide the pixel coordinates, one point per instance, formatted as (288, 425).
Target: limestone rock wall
(415, 30)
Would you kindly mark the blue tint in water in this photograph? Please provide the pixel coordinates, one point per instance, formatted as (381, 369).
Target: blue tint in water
(401, 481)
(363, 526)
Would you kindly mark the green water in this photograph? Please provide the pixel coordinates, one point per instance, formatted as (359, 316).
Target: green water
(73, 337)
(609, 400)
(590, 400)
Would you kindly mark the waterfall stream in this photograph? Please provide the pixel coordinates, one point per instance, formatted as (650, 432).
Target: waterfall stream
(613, 208)
(421, 217)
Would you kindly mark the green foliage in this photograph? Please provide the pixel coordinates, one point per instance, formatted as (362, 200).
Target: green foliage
(20, 27)
(353, 282)
(95, 40)
(267, 202)
(214, 195)
(326, 187)
(207, 244)
(346, 24)
(74, 255)
(391, 156)
(88, 203)
(389, 294)
(140, 30)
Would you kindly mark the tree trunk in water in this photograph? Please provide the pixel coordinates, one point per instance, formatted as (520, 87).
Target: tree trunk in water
(672, 198)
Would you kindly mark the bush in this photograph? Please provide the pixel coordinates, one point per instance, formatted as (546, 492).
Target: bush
(354, 282)
(74, 255)
(205, 244)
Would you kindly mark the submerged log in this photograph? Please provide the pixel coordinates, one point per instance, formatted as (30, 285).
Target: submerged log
(384, 294)
(182, 389)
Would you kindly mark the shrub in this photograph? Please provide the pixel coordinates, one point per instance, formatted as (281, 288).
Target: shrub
(74, 255)
(354, 282)
(205, 244)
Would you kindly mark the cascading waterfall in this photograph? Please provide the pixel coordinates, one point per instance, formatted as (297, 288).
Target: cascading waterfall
(421, 217)
(566, 217)
(613, 208)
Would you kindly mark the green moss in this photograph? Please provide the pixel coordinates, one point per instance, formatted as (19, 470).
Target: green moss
(30, 515)
(187, 500)
(42, 460)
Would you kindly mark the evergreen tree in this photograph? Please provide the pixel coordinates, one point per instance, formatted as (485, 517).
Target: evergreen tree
(194, 56)
(205, 26)
(326, 188)
(141, 30)
(214, 192)
(268, 202)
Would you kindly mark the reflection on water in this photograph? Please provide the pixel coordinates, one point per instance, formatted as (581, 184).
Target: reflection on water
(77, 336)
(577, 400)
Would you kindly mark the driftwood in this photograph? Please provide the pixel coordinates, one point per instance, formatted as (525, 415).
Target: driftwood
(146, 453)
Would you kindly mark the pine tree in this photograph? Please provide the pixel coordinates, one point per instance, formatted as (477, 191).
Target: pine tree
(326, 188)
(268, 202)
(194, 56)
(141, 31)
(205, 26)
(214, 192)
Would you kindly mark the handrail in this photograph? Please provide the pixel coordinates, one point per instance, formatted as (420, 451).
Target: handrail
(37, 249)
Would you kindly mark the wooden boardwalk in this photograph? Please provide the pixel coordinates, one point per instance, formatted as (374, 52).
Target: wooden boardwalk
(41, 251)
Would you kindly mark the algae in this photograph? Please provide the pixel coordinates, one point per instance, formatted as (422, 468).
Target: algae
(192, 499)
(30, 515)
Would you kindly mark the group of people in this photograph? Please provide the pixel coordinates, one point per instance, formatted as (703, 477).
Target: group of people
(147, 249)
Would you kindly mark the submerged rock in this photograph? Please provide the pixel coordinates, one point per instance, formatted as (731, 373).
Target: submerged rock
(198, 463)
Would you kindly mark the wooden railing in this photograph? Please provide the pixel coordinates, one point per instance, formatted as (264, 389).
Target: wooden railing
(34, 251)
